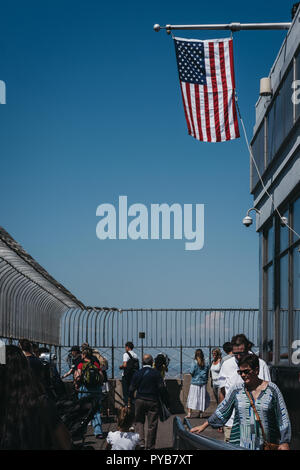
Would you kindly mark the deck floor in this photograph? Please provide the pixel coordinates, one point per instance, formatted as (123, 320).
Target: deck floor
(164, 439)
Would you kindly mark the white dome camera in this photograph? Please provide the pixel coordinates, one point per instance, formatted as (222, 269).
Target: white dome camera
(247, 221)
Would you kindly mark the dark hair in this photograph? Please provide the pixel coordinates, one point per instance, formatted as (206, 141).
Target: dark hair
(227, 347)
(125, 418)
(25, 345)
(199, 357)
(160, 361)
(250, 360)
(237, 340)
(129, 344)
(88, 352)
(22, 426)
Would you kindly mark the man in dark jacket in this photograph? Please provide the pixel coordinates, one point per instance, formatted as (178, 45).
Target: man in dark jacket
(149, 386)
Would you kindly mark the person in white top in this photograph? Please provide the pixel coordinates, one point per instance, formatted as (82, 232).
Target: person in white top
(228, 376)
(126, 377)
(124, 438)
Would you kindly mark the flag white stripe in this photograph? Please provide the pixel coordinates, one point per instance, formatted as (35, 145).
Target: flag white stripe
(209, 93)
(220, 93)
(194, 110)
(202, 114)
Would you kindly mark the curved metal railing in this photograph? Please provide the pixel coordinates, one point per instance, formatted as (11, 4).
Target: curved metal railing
(185, 440)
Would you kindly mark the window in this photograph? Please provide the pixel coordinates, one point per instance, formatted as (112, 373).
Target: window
(296, 218)
(284, 309)
(298, 78)
(270, 244)
(258, 151)
(284, 233)
(296, 294)
(280, 117)
(270, 313)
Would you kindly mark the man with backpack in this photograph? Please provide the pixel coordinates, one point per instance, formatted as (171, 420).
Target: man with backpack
(129, 367)
(90, 380)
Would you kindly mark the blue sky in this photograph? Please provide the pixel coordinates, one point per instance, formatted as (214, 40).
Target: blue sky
(93, 112)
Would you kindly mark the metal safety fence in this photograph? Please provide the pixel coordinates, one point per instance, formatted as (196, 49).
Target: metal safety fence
(31, 301)
(175, 332)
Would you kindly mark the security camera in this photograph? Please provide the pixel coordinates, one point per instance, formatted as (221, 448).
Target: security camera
(247, 221)
(283, 221)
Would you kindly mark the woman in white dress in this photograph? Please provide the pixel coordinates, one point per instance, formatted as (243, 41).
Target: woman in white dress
(214, 372)
(197, 394)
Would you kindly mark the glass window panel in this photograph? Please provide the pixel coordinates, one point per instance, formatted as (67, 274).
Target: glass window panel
(284, 313)
(284, 234)
(270, 243)
(271, 133)
(280, 117)
(258, 151)
(296, 218)
(270, 313)
(298, 78)
(287, 104)
(296, 295)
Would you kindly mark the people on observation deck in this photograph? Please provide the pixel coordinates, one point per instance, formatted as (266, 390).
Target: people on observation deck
(261, 418)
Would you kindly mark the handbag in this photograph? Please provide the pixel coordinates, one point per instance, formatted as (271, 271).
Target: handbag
(163, 411)
(267, 445)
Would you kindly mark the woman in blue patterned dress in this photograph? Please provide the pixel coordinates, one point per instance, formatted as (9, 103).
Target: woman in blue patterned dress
(269, 403)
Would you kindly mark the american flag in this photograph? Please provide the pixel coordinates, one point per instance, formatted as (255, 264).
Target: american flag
(206, 75)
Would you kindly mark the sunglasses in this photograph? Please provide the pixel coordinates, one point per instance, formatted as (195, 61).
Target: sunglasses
(245, 371)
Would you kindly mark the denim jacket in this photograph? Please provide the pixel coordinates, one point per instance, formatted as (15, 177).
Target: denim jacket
(199, 375)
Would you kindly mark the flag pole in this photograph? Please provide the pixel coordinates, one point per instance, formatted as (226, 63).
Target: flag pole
(230, 26)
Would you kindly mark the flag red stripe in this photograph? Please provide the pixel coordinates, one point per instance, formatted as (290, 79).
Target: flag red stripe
(236, 125)
(207, 113)
(215, 90)
(197, 98)
(225, 90)
(185, 111)
(231, 62)
(188, 93)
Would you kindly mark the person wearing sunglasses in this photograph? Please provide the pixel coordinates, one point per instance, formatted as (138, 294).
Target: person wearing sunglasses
(228, 376)
(261, 415)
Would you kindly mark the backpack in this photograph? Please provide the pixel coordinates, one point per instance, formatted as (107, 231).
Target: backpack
(132, 366)
(91, 375)
(101, 359)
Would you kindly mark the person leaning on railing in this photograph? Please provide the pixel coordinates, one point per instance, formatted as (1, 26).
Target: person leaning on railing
(261, 419)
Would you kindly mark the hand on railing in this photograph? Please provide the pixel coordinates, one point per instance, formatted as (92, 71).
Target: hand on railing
(199, 429)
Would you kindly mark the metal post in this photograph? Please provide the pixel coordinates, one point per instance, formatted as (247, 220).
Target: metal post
(230, 26)
(181, 365)
(59, 358)
(112, 361)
